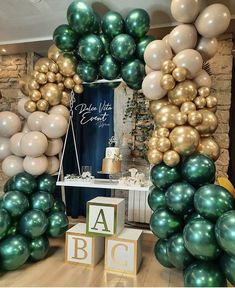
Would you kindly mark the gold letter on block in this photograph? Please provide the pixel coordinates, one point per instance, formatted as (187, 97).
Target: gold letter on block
(121, 263)
(76, 248)
(103, 222)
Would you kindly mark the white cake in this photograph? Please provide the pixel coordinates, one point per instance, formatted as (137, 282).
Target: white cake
(111, 152)
(110, 163)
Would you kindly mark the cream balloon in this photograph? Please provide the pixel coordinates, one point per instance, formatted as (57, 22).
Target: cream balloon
(191, 60)
(53, 165)
(213, 20)
(151, 86)
(148, 69)
(60, 109)
(166, 39)
(20, 107)
(183, 37)
(35, 165)
(54, 126)
(34, 144)
(9, 124)
(4, 148)
(35, 120)
(207, 47)
(12, 165)
(15, 141)
(185, 11)
(54, 147)
(156, 53)
(202, 79)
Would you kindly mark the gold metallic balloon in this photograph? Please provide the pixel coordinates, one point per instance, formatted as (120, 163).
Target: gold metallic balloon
(42, 105)
(168, 66)
(165, 117)
(211, 101)
(184, 140)
(171, 158)
(180, 74)
(67, 64)
(162, 132)
(77, 79)
(51, 77)
(154, 134)
(51, 93)
(35, 95)
(60, 86)
(30, 106)
(78, 88)
(209, 123)
(59, 78)
(209, 147)
(34, 74)
(40, 62)
(200, 102)
(41, 78)
(195, 118)
(163, 144)
(183, 92)
(23, 83)
(65, 99)
(155, 105)
(53, 67)
(152, 142)
(167, 82)
(187, 107)
(154, 157)
(69, 83)
(33, 84)
(53, 52)
(180, 118)
(204, 91)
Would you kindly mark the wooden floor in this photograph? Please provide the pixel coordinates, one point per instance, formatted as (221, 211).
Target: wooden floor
(53, 271)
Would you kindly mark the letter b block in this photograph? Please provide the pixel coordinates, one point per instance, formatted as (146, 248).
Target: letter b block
(81, 248)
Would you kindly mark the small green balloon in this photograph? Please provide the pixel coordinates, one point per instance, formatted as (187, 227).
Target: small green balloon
(58, 206)
(112, 24)
(212, 201)
(106, 43)
(204, 274)
(88, 72)
(142, 44)
(16, 203)
(164, 223)
(192, 216)
(227, 264)
(42, 201)
(46, 183)
(137, 23)
(200, 241)
(135, 86)
(177, 253)
(13, 230)
(39, 248)
(14, 252)
(109, 68)
(179, 198)
(5, 222)
(22, 182)
(164, 176)
(123, 47)
(160, 251)
(225, 232)
(97, 24)
(58, 224)
(65, 38)
(33, 223)
(113, 85)
(156, 198)
(133, 71)
(90, 48)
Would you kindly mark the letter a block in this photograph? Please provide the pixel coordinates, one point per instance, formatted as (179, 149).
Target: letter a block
(123, 253)
(81, 248)
(105, 216)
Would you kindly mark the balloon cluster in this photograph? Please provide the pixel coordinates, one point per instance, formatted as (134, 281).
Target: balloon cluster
(29, 214)
(194, 221)
(106, 48)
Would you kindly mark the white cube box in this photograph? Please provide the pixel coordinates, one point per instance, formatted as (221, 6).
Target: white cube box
(105, 216)
(123, 253)
(81, 248)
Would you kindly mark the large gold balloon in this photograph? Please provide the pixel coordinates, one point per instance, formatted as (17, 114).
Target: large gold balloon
(180, 118)
(154, 157)
(165, 117)
(204, 91)
(167, 82)
(200, 102)
(168, 66)
(35, 95)
(209, 123)
(156, 105)
(171, 158)
(78, 88)
(33, 84)
(53, 52)
(41, 78)
(77, 79)
(67, 64)
(163, 144)
(183, 92)
(51, 93)
(51, 77)
(30, 106)
(211, 101)
(184, 140)
(65, 99)
(162, 132)
(53, 67)
(42, 105)
(69, 83)
(180, 74)
(195, 118)
(187, 107)
(152, 143)
(209, 147)
(23, 83)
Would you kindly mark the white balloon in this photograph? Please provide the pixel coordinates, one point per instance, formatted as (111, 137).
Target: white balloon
(9, 124)
(203, 79)
(53, 165)
(34, 144)
(21, 109)
(54, 126)
(15, 144)
(166, 39)
(35, 120)
(35, 165)
(54, 147)
(4, 148)
(207, 47)
(151, 86)
(60, 109)
(12, 165)
(185, 11)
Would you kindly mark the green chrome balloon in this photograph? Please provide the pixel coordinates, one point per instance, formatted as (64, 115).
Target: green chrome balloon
(112, 24)
(81, 17)
(212, 201)
(42, 201)
(58, 206)
(113, 85)
(5, 222)
(198, 170)
(58, 224)
(200, 241)
(179, 198)
(14, 252)
(23, 182)
(204, 274)
(97, 24)
(65, 38)
(177, 253)
(134, 86)
(90, 48)
(88, 72)
(122, 47)
(16, 203)
(33, 223)
(137, 23)
(192, 216)
(106, 43)
(225, 232)
(13, 230)
(133, 71)
(142, 44)
(46, 183)
(227, 264)
(39, 248)
(160, 252)
(109, 68)
(156, 198)
(164, 176)
(164, 223)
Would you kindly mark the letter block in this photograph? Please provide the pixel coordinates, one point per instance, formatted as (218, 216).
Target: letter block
(123, 253)
(81, 248)
(105, 216)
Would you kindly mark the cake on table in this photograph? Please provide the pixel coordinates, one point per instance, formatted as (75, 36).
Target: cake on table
(111, 164)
